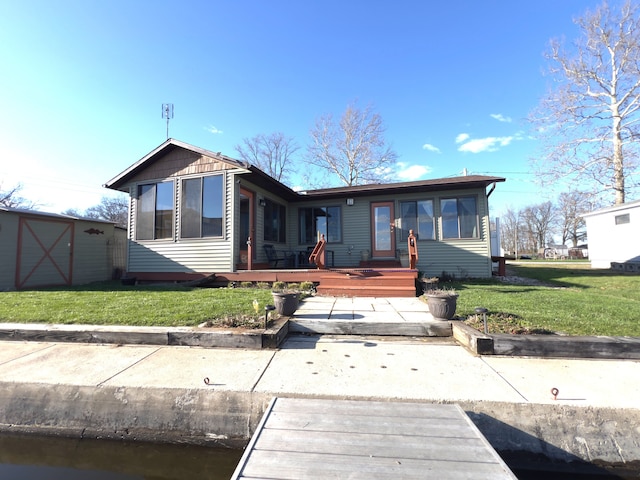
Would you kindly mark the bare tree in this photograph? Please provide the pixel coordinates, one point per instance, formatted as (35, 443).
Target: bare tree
(571, 206)
(354, 149)
(589, 122)
(11, 198)
(273, 153)
(509, 231)
(111, 209)
(538, 222)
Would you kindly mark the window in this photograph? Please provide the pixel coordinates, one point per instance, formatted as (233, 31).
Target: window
(622, 219)
(418, 216)
(459, 217)
(202, 206)
(274, 222)
(326, 220)
(155, 211)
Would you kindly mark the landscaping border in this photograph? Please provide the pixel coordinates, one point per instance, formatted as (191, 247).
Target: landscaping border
(269, 338)
(553, 346)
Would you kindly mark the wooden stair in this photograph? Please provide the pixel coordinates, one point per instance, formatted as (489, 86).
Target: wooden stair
(392, 282)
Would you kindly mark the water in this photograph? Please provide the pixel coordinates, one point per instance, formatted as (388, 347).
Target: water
(28, 457)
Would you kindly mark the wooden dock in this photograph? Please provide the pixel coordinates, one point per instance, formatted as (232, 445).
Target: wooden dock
(321, 439)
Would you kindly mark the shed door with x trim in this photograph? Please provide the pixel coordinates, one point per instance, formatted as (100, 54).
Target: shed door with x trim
(45, 253)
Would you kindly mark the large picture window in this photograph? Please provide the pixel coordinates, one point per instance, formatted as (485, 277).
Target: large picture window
(418, 216)
(326, 220)
(459, 217)
(155, 211)
(202, 207)
(274, 222)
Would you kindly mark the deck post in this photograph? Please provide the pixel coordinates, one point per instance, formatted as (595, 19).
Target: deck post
(249, 254)
(413, 250)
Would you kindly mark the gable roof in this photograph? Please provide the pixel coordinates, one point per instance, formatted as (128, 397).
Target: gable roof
(262, 179)
(150, 158)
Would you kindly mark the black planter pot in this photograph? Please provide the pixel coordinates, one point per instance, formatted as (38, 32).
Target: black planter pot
(286, 303)
(442, 306)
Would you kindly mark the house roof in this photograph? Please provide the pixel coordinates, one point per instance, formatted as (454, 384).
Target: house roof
(614, 208)
(169, 145)
(452, 183)
(262, 179)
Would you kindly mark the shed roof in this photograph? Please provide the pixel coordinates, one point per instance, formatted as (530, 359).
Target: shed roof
(37, 213)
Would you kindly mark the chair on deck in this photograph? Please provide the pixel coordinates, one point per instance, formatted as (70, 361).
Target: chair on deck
(274, 256)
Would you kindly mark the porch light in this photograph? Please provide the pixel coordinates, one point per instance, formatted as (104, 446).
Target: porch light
(262, 202)
(349, 201)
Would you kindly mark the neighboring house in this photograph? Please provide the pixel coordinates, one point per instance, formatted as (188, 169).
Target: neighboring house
(44, 249)
(613, 234)
(192, 212)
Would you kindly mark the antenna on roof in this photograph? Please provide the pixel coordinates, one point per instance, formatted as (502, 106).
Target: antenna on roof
(167, 112)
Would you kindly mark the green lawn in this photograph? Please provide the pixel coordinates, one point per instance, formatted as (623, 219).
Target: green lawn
(574, 300)
(110, 303)
(579, 301)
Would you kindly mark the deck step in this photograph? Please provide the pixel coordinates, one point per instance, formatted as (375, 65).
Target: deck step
(369, 283)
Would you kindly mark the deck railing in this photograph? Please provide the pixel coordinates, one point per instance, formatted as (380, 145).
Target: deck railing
(318, 254)
(413, 250)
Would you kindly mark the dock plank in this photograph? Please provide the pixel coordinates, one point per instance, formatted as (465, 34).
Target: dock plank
(319, 439)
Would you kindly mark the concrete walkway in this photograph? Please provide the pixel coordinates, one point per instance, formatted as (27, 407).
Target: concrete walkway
(339, 366)
(511, 390)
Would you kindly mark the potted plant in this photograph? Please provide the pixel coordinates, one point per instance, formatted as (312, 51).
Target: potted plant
(427, 283)
(442, 303)
(285, 299)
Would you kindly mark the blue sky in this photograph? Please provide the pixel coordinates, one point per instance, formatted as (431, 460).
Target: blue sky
(82, 83)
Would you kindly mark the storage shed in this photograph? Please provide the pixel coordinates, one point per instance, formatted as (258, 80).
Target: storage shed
(613, 234)
(39, 249)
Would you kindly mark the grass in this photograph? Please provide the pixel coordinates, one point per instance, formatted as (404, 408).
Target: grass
(571, 299)
(109, 303)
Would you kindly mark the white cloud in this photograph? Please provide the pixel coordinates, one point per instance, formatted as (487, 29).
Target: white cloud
(430, 148)
(412, 172)
(214, 130)
(462, 137)
(501, 118)
(488, 144)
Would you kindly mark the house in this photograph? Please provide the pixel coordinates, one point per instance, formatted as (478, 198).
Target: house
(193, 211)
(44, 249)
(613, 234)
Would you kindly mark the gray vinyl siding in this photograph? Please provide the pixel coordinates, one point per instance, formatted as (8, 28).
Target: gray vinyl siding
(9, 250)
(92, 261)
(199, 255)
(459, 257)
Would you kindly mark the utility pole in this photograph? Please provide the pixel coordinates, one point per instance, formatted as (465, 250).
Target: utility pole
(167, 112)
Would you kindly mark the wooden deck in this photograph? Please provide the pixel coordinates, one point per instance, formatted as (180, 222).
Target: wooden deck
(348, 282)
(320, 439)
